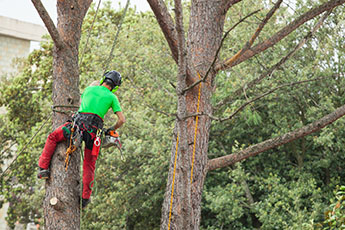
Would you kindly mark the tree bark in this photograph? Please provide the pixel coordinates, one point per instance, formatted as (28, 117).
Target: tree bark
(167, 25)
(207, 17)
(62, 185)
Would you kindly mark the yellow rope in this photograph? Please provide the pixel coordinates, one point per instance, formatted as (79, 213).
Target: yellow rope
(173, 183)
(177, 140)
(71, 148)
(195, 131)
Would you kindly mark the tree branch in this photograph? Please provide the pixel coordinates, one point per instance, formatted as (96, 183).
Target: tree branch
(166, 23)
(277, 65)
(280, 35)
(48, 23)
(230, 3)
(142, 94)
(84, 5)
(203, 79)
(265, 94)
(277, 141)
(255, 35)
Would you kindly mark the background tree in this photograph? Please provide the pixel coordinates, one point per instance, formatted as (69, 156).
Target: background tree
(195, 56)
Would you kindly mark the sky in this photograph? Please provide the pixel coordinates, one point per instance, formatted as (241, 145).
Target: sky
(25, 11)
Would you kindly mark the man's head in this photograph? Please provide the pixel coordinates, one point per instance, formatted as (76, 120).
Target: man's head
(113, 79)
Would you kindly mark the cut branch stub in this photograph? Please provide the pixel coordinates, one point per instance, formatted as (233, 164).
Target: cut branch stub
(56, 204)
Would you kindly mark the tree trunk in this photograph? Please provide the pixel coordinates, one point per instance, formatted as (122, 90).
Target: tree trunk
(208, 19)
(64, 186)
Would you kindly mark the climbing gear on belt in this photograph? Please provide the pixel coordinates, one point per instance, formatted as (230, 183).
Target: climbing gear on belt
(71, 148)
(97, 143)
(74, 132)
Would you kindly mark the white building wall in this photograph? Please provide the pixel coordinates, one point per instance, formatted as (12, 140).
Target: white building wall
(10, 49)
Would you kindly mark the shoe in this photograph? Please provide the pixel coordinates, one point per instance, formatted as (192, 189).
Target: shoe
(85, 202)
(43, 173)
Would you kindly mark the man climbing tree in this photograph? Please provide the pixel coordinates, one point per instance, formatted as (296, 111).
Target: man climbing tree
(66, 38)
(198, 66)
(87, 125)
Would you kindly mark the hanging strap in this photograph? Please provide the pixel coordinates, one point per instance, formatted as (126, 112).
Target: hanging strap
(71, 148)
(100, 135)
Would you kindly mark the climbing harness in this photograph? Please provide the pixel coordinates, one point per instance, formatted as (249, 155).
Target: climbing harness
(89, 123)
(194, 146)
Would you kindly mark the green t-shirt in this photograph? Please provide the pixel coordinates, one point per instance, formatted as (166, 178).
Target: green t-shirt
(98, 100)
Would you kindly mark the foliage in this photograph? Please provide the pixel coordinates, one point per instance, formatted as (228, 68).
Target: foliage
(290, 185)
(285, 188)
(335, 216)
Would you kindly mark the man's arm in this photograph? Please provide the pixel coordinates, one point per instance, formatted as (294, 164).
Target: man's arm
(120, 121)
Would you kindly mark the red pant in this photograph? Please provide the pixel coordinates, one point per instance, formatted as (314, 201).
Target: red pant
(88, 165)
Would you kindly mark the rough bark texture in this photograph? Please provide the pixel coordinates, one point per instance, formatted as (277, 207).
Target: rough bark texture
(167, 25)
(180, 215)
(207, 19)
(64, 185)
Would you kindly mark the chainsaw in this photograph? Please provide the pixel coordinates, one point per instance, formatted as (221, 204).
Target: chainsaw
(111, 138)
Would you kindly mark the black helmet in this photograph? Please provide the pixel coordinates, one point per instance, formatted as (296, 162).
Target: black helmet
(112, 76)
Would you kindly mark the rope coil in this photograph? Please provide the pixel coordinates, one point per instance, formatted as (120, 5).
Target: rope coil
(71, 148)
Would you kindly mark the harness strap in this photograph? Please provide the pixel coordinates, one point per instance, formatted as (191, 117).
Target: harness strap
(83, 122)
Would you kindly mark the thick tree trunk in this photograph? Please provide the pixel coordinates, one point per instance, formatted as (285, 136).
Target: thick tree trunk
(64, 187)
(208, 20)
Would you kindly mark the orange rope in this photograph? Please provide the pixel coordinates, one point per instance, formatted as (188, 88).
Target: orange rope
(70, 149)
(177, 140)
(173, 183)
(195, 131)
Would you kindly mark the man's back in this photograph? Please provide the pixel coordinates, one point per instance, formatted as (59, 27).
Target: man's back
(98, 100)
